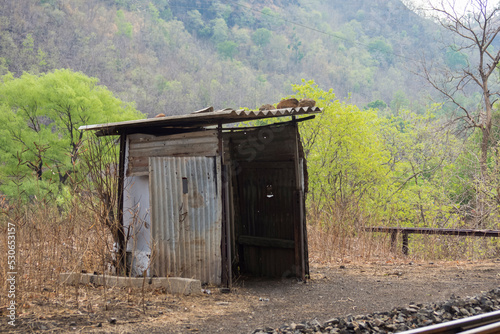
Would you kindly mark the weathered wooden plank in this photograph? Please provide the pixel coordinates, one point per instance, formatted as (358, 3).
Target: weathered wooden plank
(180, 150)
(141, 138)
(266, 143)
(192, 144)
(406, 231)
(263, 153)
(168, 144)
(139, 146)
(138, 171)
(267, 164)
(441, 231)
(265, 242)
(198, 151)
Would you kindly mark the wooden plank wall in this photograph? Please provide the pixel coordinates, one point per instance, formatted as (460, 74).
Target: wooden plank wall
(264, 239)
(262, 144)
(192, 144)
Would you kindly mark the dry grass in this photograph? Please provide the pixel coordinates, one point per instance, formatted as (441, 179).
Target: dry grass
(50, 242)
(340, 241)
(333, 245)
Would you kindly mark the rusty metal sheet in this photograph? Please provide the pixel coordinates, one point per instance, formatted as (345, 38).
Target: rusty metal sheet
(186, 212)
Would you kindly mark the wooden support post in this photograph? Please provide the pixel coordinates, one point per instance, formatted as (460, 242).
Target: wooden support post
(300, 267)
(405, 243)
(119, 232)
(297, 234)
(406, 231)
(394, 234)
(302, 237)
(227, 277)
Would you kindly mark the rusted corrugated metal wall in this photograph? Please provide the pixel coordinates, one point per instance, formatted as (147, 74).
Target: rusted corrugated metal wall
(186, 219)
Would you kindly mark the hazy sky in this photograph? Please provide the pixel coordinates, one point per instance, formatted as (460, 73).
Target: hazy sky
(459, 4)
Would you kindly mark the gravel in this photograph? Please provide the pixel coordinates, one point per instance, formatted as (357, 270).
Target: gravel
(398, 319)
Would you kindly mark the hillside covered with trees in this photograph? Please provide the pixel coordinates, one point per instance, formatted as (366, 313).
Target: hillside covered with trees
(403, 140)
(177, 56)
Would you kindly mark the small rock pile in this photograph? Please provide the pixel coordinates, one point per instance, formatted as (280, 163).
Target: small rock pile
(399, 319)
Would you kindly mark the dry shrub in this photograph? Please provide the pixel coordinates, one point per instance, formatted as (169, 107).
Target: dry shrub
(447, 247)
(76, 234)
(336, 234)
(50, 242)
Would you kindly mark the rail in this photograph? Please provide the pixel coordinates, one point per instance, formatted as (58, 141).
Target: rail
(405, 231)
(479, 324)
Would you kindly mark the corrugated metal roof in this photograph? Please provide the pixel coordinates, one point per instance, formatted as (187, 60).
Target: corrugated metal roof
(196, 120)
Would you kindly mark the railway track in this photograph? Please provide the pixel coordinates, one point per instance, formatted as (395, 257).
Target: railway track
(487, 323)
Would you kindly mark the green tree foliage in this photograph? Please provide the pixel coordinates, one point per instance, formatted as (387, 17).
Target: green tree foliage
(399, 102)
(469, 189)
(475, 29)
(378, 104)
(227, 49)
(422, 151)
(127, 43)
(195, 23)
(220, 30)
(154, 13)
(455, 59)
(261, 37)
(269, 18)
(124, 27)
(365, 168)
(345, 155)
(39, 120)
(381, 50)
(297, 48)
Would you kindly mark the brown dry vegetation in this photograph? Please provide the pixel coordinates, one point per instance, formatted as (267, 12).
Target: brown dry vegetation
(49, 242)
(339, 237)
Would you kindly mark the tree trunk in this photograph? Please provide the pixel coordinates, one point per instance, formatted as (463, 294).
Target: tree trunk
(485, 142)
(483, 161)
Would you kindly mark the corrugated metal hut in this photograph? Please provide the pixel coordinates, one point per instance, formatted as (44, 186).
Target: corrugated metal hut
(204, 200)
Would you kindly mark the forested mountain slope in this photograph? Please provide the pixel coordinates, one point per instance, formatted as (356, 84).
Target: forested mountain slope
(176, 56)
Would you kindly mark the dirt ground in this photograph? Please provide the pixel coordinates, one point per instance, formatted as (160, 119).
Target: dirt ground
(255, 302)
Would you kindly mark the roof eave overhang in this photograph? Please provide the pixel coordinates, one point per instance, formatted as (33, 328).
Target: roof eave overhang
(195, 120)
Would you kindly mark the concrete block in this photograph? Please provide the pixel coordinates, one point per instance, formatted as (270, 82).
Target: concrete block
(173, 285)
(70, 278)
(179, 285)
